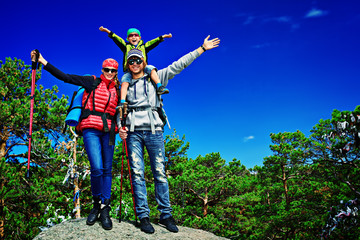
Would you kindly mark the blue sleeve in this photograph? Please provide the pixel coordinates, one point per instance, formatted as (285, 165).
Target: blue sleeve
(149, 68)
(126, 77)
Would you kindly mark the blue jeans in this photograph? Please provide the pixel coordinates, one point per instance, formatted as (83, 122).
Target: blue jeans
(100, 155)
(154, 144)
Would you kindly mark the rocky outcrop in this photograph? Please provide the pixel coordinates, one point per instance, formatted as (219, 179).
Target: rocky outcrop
(76, 229)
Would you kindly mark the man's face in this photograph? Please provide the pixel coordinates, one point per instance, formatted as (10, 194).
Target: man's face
(136, 65)
(134, 38)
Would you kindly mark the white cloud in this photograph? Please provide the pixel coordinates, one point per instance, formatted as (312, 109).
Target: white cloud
(246, 139)
(261, 19)
(249, 20)
(282, 19)
(316, 13)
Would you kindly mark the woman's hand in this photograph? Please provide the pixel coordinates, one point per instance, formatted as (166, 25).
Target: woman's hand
(40, 60)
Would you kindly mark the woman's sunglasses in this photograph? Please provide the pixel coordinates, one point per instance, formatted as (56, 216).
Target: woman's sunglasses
(110, 70)
(137, 61)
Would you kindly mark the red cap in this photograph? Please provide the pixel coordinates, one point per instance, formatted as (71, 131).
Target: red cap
(110, 63)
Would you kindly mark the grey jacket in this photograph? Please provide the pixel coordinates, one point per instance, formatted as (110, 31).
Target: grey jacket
(143, 100)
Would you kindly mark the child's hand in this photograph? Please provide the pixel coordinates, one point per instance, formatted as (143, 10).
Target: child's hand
(167, 35)
(104, 29)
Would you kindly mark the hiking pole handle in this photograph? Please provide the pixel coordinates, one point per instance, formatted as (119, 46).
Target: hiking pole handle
(120, 113)
(35, 59)
(124, 115)
(125, 108)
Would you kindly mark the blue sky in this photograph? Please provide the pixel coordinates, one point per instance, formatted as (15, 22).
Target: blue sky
(281, 65)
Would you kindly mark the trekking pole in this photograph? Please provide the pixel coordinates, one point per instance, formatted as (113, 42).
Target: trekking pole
(121, 182)
(123, 122)
(34, 61)
(132, 189)
(122, 166)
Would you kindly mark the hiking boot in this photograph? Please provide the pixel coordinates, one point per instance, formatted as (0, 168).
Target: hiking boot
(170, 224)
(94, 213)
(162, 90)
(146, 226)
(105, 215)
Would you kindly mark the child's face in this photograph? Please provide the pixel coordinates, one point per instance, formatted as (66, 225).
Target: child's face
(134, 38)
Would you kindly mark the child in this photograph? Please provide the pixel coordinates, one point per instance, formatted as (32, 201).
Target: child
(134, 41)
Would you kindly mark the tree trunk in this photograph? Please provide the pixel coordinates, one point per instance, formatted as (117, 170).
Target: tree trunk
(2, 214)
(4, 136)
(285, 185)
(206, 204)
(76, 180)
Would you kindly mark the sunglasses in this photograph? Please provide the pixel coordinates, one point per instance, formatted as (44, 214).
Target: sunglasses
(133, 35)
(137, 61)
(110, 70)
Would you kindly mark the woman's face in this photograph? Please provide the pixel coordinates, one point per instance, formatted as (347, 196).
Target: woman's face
(109, 72)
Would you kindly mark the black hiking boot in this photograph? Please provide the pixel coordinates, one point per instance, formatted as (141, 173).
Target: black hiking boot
(105, 215)
(94, 213)
(162, 90)
(170, 224)
(146, 226)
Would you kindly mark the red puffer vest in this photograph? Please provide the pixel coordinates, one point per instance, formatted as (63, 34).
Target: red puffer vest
(100, 107)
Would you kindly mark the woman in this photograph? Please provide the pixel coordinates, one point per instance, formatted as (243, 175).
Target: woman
(98, 126)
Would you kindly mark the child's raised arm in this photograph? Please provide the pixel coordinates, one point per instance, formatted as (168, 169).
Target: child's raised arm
(104, 29)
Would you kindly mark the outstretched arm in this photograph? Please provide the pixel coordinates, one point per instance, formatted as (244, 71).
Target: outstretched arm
(85, 81)
(104, 30)
(208, 44)
(179, 65)
(118, 40)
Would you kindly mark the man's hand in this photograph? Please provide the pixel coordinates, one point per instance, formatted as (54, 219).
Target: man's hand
(123, 133)
(210, 44)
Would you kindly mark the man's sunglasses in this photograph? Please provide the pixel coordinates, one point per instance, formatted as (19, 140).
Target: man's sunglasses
(133, 35)
(110, 70)
(137, 61)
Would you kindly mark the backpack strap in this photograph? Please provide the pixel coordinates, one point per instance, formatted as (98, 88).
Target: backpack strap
(93, 87)
(160, 110)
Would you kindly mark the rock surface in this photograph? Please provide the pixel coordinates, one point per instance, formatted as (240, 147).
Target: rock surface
(76, 229)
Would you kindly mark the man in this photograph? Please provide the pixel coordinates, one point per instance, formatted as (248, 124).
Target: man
(145, 128)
